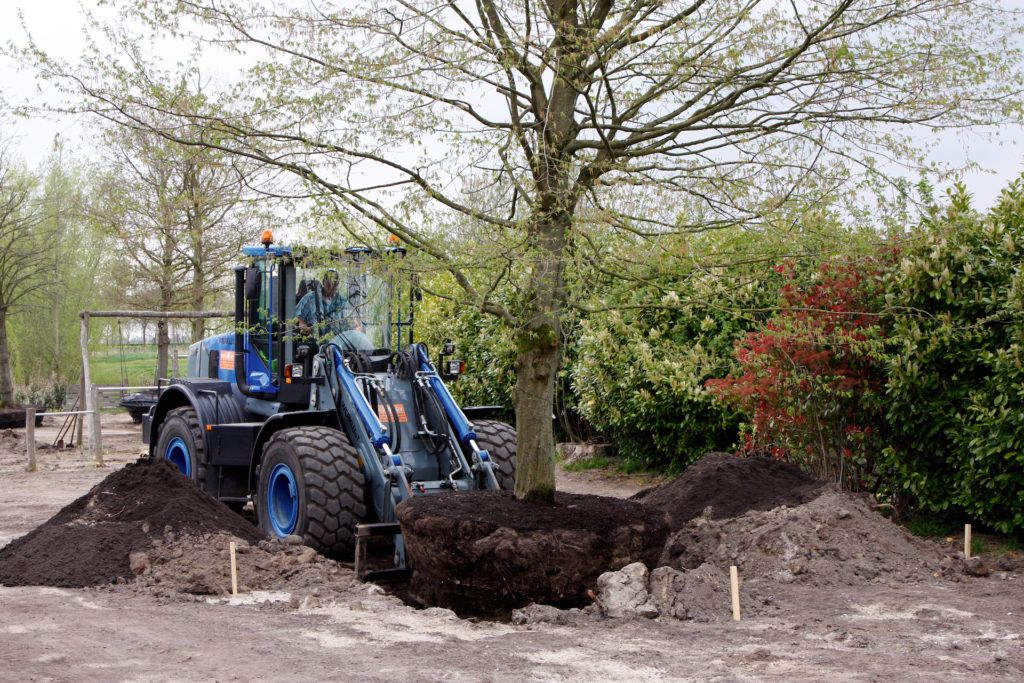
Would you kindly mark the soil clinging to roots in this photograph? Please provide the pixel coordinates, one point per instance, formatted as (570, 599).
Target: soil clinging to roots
(484, 551)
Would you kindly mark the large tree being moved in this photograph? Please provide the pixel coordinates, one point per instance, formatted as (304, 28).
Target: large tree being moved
(504, 139)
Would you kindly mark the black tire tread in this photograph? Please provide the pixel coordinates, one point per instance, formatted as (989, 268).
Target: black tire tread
(499, 440)
(334, 487)
(188, 415)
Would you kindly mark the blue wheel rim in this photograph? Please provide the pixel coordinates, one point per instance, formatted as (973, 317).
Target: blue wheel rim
(282, 500)
(177, 454)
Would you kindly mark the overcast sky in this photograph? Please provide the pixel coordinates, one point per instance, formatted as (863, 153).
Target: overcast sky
(57, 26)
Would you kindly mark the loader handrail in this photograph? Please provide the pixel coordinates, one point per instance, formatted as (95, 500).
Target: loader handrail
(239, 361)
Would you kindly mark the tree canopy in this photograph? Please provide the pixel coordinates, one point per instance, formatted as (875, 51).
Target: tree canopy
(504, 139)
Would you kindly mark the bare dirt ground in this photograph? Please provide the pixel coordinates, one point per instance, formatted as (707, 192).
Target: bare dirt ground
(925, 630)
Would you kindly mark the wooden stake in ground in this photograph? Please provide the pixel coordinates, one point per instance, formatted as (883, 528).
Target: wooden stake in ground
(734, 581)
(30, 438)
(967, 541)
(234, 571)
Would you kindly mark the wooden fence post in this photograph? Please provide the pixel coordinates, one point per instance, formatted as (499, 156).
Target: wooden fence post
(30, 437)
(80, 419)
(86, 400)
(97, 434)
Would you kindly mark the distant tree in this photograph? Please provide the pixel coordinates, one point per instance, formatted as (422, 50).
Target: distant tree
(178, 216)
(27, 255)
(44, 333)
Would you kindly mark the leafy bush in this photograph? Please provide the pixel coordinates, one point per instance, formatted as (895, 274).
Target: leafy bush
(955, 391)
(907, 367)
(640, 377)
(809, 377)
(50, 396)
(642, 363)
(671, 324)
(482, 341)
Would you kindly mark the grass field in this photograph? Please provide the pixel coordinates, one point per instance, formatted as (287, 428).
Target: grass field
(139, 365)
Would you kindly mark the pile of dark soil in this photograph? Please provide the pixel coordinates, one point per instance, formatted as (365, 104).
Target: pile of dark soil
(779, 527)
(89, 541)
(730, 486)
(482, 552)
(14, 418)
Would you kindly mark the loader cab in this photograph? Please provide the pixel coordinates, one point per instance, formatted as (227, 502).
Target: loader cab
(290, 302)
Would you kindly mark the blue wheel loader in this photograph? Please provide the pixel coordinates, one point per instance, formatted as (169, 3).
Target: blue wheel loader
(319, 407)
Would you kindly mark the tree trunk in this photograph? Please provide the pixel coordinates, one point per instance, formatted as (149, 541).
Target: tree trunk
(6, 379)
(198, 281)
(167, 285)
(162, 343)
(198, 324)
(539, 347)
(536, 366)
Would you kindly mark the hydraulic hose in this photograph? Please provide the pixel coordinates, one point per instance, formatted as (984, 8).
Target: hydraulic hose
(374, 429)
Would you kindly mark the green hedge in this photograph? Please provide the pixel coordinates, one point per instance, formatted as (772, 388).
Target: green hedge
(955, 380)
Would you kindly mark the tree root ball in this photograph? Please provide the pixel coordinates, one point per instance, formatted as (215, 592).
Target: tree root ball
(482, 552)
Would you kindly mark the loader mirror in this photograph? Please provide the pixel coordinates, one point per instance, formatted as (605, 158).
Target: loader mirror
(253, 280)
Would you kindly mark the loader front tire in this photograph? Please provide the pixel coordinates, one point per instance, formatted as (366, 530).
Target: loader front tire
(499, 440)
(181, 443)
(311, 485)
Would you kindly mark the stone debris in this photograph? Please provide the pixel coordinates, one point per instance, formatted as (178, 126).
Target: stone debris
(624, 593)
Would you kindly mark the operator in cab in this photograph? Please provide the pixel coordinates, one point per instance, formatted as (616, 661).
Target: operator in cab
(324, 313)
(321, 312)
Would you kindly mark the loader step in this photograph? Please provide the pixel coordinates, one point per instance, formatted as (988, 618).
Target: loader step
(378, 529)
(387, 575)
(363, 533)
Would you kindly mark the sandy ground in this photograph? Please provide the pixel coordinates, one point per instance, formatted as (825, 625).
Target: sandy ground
(937, 630)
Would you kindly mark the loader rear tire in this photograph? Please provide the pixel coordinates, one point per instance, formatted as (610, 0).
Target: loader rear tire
(499, 440)
(311, 485)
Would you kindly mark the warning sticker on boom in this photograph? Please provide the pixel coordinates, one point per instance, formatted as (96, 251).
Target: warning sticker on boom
(382, 414)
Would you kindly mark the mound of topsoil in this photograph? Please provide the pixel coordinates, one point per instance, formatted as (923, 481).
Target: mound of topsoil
(484, 551)
(89, 541)
(199, 564)
(778, 527)
(730, 486)
(837, 539)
